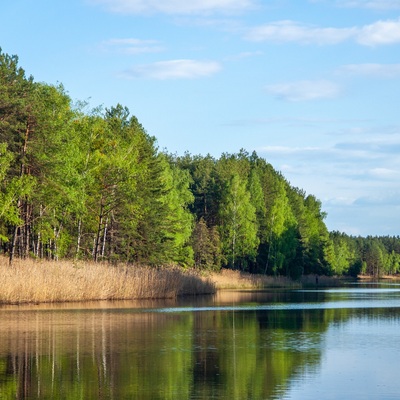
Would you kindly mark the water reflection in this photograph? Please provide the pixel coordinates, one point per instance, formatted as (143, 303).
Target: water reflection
(234, 345)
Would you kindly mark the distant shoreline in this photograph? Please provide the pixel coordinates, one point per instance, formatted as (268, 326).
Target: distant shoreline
(31, 281)
(380, 278)
(37, 281)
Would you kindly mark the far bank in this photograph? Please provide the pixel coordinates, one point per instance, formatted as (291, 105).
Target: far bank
(32, 281)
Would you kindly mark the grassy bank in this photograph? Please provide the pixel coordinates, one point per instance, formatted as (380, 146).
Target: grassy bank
(228, 279)
(29, 281)
(387, 278)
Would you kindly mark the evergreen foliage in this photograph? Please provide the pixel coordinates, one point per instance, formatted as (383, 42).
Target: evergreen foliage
(93, 185)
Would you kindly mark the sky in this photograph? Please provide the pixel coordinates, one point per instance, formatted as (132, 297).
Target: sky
(313, 86)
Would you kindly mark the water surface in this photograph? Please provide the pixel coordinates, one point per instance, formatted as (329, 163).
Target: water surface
(300, 344)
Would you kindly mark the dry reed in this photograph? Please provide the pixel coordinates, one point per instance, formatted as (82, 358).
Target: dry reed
(228, 279)
(30, 281)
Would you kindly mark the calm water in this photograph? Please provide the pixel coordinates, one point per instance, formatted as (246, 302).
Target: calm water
(320, 344)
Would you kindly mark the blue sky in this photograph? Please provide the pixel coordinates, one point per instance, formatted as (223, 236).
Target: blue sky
(313, 86)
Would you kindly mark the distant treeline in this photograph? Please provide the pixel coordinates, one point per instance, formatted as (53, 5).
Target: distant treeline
(92, 184)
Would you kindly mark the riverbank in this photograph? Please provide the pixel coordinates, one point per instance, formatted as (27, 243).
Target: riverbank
(228, 279)
(30, 281)
(389, 278)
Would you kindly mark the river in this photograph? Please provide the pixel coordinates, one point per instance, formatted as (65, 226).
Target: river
(273, 344)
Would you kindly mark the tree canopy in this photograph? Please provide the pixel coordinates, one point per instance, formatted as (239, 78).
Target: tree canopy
(92, 184)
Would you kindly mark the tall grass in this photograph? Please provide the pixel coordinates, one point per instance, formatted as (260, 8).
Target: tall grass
(30, 281)
(228, 279)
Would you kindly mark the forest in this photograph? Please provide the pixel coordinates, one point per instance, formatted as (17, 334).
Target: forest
(82, 183)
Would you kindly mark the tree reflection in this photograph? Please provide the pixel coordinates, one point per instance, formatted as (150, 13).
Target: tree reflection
(118, 354)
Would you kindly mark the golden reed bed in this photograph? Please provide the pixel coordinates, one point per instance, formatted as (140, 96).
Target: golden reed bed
(30, 281)
(228, 279)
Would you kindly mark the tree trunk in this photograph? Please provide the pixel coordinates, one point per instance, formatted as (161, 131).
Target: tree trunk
(78, 240)
(98, 234)
(104, 238)
(17, 229)
(13, 245)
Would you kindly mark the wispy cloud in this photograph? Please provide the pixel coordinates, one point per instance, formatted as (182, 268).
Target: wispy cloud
(385, 173)
(379, 144)
(369, 4)
(373, 70)
(291, 31)
(244, 55)
(374, 157)
(346, 176)
(378, 33)
(173, 69)
(322, 157)
(286, 150)
(304, 90)
(383, 199)
(378, 147)
(295, 122)
(175, 6)
(132, 46)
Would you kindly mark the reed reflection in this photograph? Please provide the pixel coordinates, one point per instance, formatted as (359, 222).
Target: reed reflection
(139, 354)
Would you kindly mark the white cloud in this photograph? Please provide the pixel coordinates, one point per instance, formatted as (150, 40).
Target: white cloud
(370, 4)
(382, 146)
(384, 173)
(291, 31)
(175, 6)
(174, 69)
(371, 69)
(353, 179)
(304, 90)
(132, 46)
(378, 33)
(244, 55)
(389, 198)
(339, 200)
(284, 150)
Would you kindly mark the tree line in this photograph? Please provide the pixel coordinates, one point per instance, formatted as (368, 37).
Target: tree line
(91, 184)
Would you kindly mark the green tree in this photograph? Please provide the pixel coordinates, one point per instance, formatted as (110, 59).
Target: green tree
(51, 162)
(17, 124)
(204, 186)
(282, 239)
(178, 223)
(206, 246)
(373, 257)
(239, 227)
(344, 256)
(11, 189)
